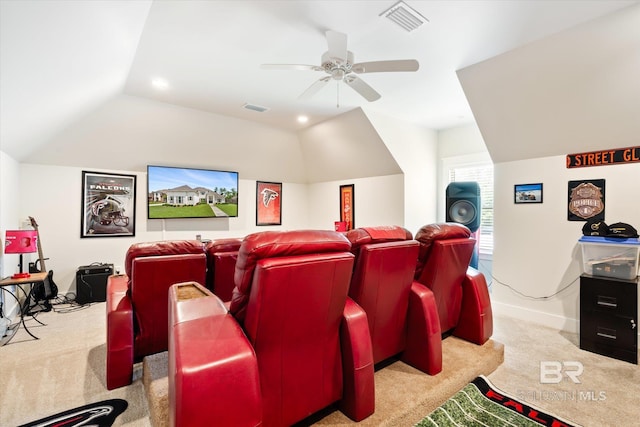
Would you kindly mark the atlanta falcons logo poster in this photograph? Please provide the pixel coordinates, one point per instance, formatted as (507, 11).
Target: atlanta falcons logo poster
(268, 203)
(108, 203)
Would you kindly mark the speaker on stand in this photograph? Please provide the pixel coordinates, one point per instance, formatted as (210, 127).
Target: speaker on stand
(463, 207)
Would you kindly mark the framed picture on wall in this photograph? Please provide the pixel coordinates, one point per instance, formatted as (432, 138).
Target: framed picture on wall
(108, 205)
(586, 200)
(347, 206)
(527, 193)
(268, 203)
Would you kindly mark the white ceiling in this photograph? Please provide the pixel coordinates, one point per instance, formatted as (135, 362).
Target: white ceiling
(60, 60)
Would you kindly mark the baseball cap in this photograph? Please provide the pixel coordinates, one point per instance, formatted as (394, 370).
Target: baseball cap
(623, 230)
(595, 227)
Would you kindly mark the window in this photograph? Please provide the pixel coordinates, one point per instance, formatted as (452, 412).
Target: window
(481, 173)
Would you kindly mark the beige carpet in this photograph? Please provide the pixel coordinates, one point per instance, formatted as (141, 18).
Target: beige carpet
(65, 369)
(403, 394)
(614, 384)
(62, 370)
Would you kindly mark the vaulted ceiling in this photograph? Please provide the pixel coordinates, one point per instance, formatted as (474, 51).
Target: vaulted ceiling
(575, 91)
(62, 60)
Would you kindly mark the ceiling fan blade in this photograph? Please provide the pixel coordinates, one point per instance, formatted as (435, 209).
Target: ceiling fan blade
(300, 67)
(362, 88)
(314, 88)
(337, 43)
(386, 66)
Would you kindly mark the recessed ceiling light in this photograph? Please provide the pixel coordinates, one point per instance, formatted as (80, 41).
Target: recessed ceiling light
(160, 83)
(303, 119)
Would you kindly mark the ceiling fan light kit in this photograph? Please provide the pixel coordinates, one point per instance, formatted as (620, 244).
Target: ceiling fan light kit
(405, 16)
(338, 63)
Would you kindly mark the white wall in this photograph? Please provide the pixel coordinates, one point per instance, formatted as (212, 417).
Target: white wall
(378, 201)
(395, 178)
(536, 250)
(52, 195)
(345, 147)
(460, 140)
(574, 91)
(415, 150)
(9, 219)
(9, 208)
(129, 133)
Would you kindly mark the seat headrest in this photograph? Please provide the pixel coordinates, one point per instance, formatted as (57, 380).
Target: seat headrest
(434, 232)
(367, 235)
(439, 231)
(271, 244)
(223, 245)
(166, 247)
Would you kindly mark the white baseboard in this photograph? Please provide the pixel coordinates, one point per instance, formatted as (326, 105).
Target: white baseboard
(546, 319)
(550, 320)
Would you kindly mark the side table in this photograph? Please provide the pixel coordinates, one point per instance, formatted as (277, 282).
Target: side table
(5, 285)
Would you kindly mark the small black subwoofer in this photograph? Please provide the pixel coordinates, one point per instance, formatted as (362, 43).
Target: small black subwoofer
(463, 204)
(91, 283)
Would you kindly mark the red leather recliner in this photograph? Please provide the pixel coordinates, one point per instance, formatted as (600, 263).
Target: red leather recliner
(305, 345)
(461, 293)
(222, 255)
(402, 313)
(137, 316)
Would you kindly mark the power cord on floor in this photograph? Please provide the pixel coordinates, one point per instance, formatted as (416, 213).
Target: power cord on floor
(68, 300)
(493, 278)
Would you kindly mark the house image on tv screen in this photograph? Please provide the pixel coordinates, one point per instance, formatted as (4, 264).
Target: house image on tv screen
(185, 195)
(218, 197)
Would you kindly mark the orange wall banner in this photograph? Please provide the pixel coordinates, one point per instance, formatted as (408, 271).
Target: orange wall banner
(604, 157)
(347, 205)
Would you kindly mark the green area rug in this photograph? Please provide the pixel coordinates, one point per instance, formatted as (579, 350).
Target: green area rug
(479, 403)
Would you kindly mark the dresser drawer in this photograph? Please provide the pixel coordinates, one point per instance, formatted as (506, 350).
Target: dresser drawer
(608, 296)
(608, 350)
(617, 331)
(609, 317)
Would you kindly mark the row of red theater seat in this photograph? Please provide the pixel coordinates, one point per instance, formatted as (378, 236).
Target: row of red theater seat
(401, 319)
(150, 269)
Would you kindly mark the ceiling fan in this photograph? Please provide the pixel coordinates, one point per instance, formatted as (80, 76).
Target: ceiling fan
(337, 62)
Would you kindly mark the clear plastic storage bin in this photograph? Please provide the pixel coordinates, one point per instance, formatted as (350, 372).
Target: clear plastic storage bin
(610, 257)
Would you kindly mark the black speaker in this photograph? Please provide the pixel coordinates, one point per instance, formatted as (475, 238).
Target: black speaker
(463, 204)
(91, 282)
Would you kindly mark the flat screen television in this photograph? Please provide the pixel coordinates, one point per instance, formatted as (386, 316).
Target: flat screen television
(175, 192)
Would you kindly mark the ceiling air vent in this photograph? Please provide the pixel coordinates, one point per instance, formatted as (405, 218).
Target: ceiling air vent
(403, 15)
(253, 107)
